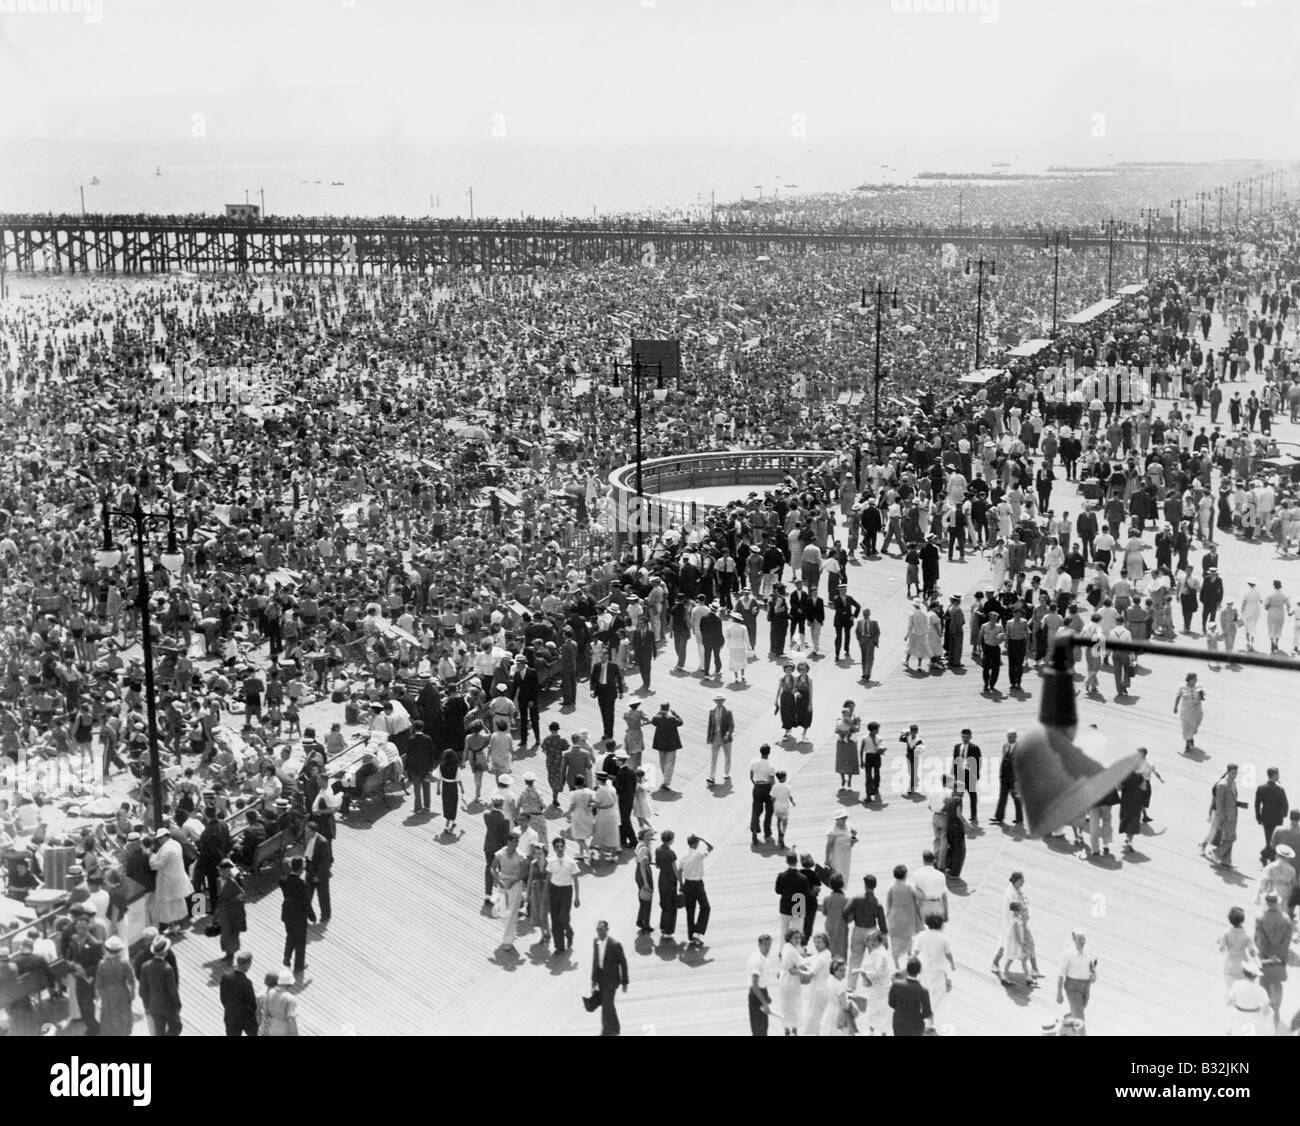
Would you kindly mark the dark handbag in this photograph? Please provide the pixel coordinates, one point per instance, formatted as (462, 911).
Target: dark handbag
(679, 900)
(592, 1002)
(211, 930)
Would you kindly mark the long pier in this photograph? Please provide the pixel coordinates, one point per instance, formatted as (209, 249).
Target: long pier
(135, 244)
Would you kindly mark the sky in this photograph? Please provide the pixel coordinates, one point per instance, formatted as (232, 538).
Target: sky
(1184, 80)
(566, 106)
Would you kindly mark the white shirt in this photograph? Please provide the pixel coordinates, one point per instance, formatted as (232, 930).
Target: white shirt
(601, 943)
(759, 969)
(930, 883)
(1076, 964)
(762, 771)
(561, 870)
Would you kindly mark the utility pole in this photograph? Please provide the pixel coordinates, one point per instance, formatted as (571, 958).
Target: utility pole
(471, 203)
(261, 195)
(881, 294)
(1149, 214)
(1237, 222)
(1054, 243)
(979, 303)
(1201, 197)
(1220, 189)
(960, 201)
(1177, 204)
(82, 188)
(1109, 227)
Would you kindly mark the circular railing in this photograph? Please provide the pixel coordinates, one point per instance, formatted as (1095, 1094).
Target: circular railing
(654, 514)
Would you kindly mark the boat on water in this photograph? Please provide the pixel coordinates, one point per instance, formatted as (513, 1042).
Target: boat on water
(336, 183)
(157, 169)
(94, 181)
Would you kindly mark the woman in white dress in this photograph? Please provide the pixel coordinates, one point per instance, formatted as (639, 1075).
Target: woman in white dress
(819, 971)
(604, 838)
(582, 821)
(1251, 602)
(876, 975)
(790, 989)
(919, 643)
(935, 952)
(172, 887)
(998, 560)
(1188, 707)
(737, 646)
(840, 1015)
(1053, 560)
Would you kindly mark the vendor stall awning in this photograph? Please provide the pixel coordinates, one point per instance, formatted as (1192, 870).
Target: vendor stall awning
(1134, 290)
(981, 376)
(1092, 312)
(1030, 348)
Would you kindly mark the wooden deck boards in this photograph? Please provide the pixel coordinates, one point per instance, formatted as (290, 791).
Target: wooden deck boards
(409, 951)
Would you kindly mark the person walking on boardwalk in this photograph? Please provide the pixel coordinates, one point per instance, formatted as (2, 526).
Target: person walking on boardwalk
(1188, 706)
(762, 776)
(608, 976)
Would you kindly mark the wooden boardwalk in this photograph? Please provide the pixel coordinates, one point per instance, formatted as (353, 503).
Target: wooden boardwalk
(409, 950)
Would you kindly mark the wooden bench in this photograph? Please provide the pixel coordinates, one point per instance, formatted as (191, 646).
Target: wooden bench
(267, 854)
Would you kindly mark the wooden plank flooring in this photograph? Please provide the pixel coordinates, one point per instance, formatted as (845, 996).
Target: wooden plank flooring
(409, 950)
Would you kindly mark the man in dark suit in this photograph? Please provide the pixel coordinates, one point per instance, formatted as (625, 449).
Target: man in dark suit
(318, 860)
(1271, 807)
(84, 950)
(159, 994)
(711, 640)
(607, 687)
(295, 913)
(643, 649)
(1211, 596)
(1007, 782)
(526, 689)
(238, 1000)
(966, 769)
(624, 783)
(910, 1002)
(844, 608)
(1086, 526)
(419, 765)
(608, 972)
(496, 829)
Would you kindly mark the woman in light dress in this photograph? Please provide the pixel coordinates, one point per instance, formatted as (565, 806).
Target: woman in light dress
(847, 756)
(876, 974)
(582, 819)
(633, 739)
(737, 636)
(839, 846)
(279, 1006)
(840, 1016)
(1236, 945)
(819, 972)
(920, 645)
(1251, 602)
(790, 989)
(998, 561)
(604, 838)
(1054, 561)
(931, 946)
(641, 808)
(1188, 707)
(1134, 564)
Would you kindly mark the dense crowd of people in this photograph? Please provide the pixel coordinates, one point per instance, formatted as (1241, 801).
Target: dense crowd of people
(434, 592)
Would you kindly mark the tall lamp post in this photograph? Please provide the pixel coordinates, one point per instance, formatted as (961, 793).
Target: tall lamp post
(1177, 205)
(881, 293)
(1201, 198)
(1220, 189)
(979, 301)
(1150, 214)
(1109, 227)
(172, 559)
(1054, 243)
(1236, 226)
(660, 393)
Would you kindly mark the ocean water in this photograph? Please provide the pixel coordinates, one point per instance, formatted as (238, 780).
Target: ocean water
(507, 178)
